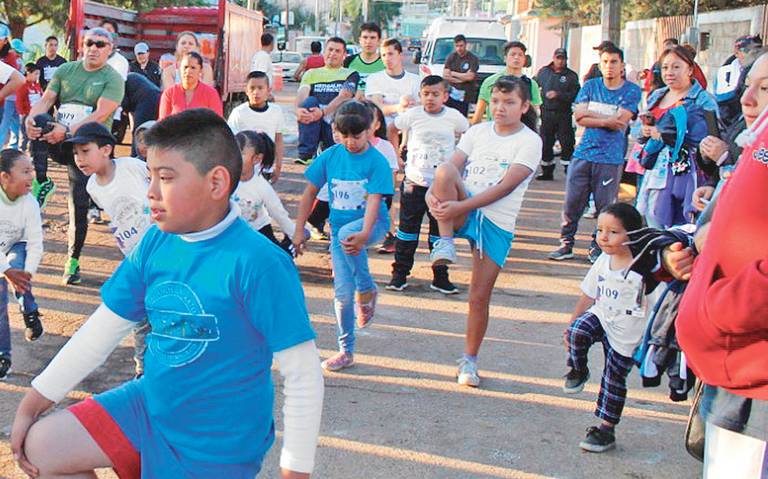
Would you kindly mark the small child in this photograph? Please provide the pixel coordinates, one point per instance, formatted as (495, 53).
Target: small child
(22, 248)
(257, 199)
(222, 305)
(138, 139)
(260, 115)
(478, 195)
(119, 187)
(611, 310)
(380, 142)
(431, 131)
(27, 95)
(357, 177)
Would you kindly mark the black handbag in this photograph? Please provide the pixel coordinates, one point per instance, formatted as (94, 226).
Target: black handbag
(694, 430)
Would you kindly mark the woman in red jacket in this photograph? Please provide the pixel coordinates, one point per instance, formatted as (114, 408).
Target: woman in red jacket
(191, 92)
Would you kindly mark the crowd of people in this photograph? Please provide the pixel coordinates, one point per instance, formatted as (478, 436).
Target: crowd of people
(192, 210)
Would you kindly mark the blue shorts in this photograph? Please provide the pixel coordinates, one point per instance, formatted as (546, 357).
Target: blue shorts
(487, 237)
(119, 419)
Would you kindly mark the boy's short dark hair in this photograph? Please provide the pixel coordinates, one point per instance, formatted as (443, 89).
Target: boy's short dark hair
(30, 67)
(352, 118)
(202, 137)
(196, 56)
(432, 80)
(459, 38)
(393, 42)
(315, 47)
(111, 22)
(371, 27)
(257, 75)
(613, 50)
(671, 40)
(51, 37)
(337, 40)
(514, 44)
(267, 39)
(630, 218)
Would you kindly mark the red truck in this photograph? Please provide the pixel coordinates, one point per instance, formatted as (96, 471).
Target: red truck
(229, 35)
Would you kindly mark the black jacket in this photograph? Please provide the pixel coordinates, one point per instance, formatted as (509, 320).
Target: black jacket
(153, 71)
(565, 83)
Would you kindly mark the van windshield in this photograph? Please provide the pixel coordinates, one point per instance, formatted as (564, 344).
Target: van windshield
(490, 51)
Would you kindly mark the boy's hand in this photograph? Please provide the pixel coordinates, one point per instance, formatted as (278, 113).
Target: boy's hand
(354, 243)
(298, 239)
(304, 115)
(702, 193)
(288, 474)
(678, 261)
(31, 407)
(447, 210)
(20, 279)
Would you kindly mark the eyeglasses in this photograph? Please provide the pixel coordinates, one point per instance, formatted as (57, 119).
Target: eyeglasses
(98, 43)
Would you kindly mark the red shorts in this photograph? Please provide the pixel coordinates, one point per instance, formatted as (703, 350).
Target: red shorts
(126, 460)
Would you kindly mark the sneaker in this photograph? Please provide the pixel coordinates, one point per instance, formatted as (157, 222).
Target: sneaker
(34, 327)
(563, 252)
(443, 252)
(598, 440)
(303, 161)
(365, 306)
(318, 234)
(5, 367)
(45, 191)
(388, 246)
(338, 361)
(71, 272)
(590, 213)
(575, 381)
(397, 283)
(594, 253)
(467, 373)
(94, 216)
(443, 284)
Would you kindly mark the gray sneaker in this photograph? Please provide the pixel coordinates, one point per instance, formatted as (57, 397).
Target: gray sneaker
(467, 373)
(563, 252)
(575, 381)
(443, 252)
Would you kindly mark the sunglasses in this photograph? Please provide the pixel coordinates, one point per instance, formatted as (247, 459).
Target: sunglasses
(98, 43)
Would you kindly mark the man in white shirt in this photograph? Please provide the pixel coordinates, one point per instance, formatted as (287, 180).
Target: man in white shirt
(262, 60)
(394, 90)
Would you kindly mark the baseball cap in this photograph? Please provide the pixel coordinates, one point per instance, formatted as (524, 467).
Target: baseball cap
(18, 45)
(748, 42)
(561, 52)
(92, 132)
(5, 32)
(140, 47)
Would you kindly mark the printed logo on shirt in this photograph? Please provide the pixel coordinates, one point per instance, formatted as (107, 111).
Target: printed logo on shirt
(181, 329)
(485, 173)
(249, 209)
(10, 234)
(129, 223)
(761, 155)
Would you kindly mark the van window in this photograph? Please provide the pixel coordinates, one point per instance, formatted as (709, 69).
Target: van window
(490, 51)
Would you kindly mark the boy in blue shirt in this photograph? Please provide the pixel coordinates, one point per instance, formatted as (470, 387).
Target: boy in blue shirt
(223, 301)
(357, 176)
(604, 106)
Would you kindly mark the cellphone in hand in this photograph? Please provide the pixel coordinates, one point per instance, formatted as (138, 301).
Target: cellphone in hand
(647, 118)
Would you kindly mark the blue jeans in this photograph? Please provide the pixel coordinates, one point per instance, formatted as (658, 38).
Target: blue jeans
(350, 274)
(16, 257)
(10, 123)
(313, 134)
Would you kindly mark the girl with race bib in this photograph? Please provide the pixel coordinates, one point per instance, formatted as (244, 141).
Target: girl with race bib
(357, 176)
(477, 195)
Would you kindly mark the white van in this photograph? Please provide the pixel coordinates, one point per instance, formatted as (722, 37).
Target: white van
(485, 38)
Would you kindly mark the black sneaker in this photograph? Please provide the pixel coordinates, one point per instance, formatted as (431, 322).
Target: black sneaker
(443, 284)
(5, 367)
(564, 252)
(575, 381)
(388, 246)
(34, 327)
(598, 440)
(397, 283)
(594, 253)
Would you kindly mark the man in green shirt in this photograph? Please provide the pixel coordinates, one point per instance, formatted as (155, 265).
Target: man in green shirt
(86, 90)
(368, 60)
(515, 58)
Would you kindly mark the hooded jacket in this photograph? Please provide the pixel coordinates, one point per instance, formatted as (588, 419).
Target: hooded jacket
(565, 83)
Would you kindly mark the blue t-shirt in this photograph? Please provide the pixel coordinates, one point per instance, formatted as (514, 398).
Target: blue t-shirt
(351, 178)
(219, 309)
(601, 145)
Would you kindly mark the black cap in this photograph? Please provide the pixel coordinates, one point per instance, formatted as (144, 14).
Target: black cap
(92, 132)
(561, 52)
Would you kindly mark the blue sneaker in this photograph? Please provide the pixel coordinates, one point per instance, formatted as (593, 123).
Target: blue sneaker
(443, 252)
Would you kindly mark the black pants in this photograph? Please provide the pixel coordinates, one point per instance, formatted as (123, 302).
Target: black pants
(320, 212)
(78, 200)
(557, 125)
(270, 234)
(40, 159)
(412, 210)
(461, 106)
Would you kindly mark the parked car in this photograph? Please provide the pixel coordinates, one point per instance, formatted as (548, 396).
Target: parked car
(288, 61)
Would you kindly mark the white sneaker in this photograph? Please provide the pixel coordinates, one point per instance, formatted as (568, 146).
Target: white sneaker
(467, 373)
(443, 252)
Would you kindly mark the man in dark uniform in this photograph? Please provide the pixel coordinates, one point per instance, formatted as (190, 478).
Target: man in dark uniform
(559, 87)
(461, 72)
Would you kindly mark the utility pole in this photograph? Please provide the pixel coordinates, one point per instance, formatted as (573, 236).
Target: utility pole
(317, 17)
(610, 20)
(365, 10)
(287, 22)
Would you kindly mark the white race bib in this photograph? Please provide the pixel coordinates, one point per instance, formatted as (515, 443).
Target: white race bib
(70, 114)
(482, 174)
(603, 108)
(620, 297)
(348, 195)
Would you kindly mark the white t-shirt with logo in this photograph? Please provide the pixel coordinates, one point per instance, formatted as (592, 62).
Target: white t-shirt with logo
(392, 89)
(124, 199)
(619, 304)
(20, 221)
(259, 203)
(431, 140)
(271, 121)
(489, 156)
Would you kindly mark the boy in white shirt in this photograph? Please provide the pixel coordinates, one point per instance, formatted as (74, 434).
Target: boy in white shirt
(260, 115)
(119, 187)
(394, 90)
(431, 131)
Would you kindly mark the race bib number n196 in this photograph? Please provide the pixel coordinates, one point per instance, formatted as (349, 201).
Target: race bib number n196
(348, 195)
